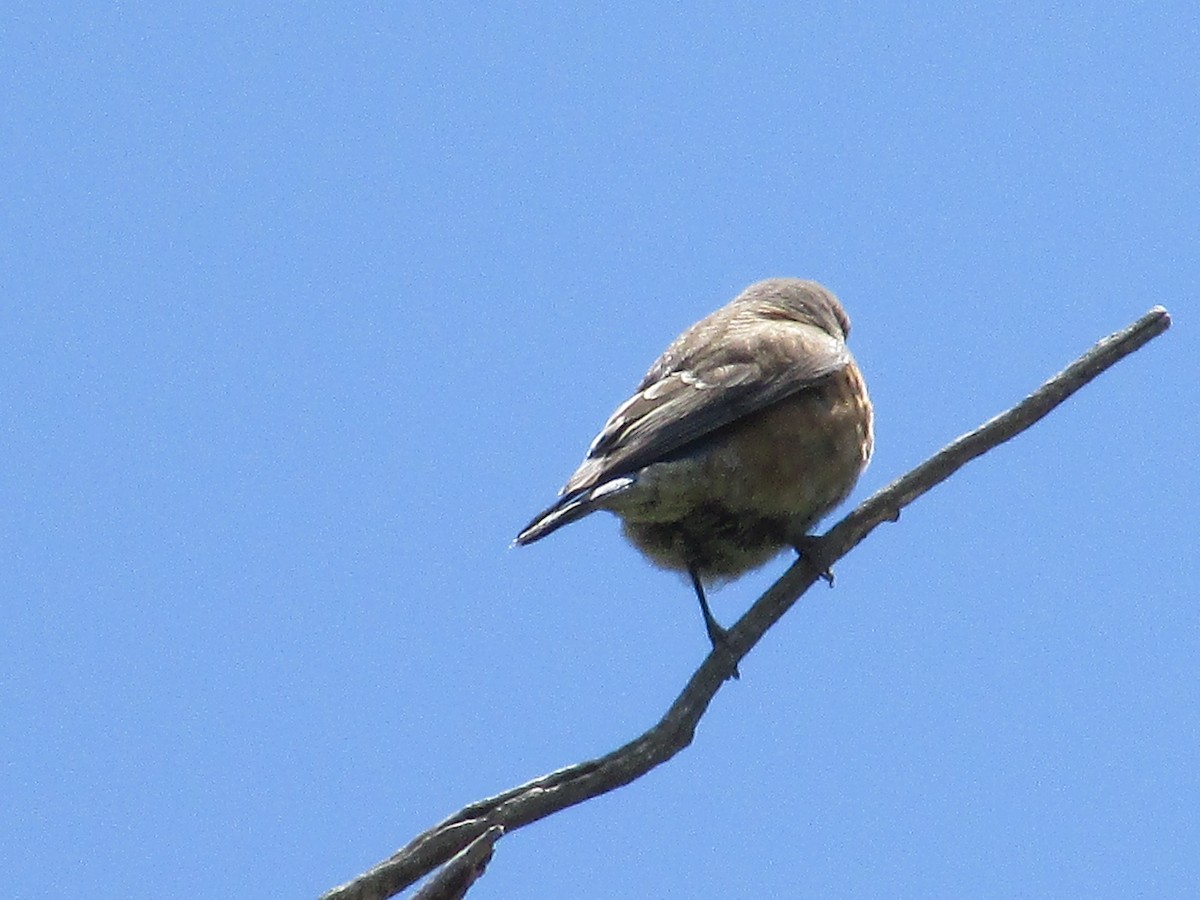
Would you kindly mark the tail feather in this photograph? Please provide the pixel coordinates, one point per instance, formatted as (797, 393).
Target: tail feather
(568, 509)
(564, 512)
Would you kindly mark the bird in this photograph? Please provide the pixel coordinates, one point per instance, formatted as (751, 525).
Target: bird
(750, 427)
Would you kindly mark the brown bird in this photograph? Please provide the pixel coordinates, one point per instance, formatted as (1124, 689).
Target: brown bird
(752, 425)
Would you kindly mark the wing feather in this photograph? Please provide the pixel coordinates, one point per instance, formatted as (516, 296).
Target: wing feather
(723, 376)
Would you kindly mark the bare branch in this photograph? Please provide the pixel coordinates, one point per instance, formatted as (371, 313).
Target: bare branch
(457, 876)
(475, 826)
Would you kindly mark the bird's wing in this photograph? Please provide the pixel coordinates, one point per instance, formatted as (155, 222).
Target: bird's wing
(685, 397)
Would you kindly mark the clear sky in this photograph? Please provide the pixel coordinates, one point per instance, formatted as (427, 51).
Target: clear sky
(307, 310)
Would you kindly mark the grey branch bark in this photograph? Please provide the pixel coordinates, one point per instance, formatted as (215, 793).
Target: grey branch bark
(466, 838)
(455, 878)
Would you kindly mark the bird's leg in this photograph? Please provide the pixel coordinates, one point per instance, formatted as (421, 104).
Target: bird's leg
(717, 635)
(809, 547)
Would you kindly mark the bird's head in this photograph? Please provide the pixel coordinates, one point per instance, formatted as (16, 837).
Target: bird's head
(798, 300)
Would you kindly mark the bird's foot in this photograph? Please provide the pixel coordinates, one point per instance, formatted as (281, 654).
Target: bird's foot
(809, 548)
(719, 638)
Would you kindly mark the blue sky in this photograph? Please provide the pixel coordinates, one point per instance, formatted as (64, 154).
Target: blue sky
(305, 312)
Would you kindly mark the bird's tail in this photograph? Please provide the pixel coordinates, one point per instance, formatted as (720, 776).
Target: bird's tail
(564, 512)
(569, 508)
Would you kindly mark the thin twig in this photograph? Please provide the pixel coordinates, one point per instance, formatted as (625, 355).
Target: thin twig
(558, 790)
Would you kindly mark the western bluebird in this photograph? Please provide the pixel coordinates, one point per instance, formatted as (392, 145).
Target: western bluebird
(752, 426)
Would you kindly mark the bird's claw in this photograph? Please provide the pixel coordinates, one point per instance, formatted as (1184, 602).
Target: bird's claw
(809, 549)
